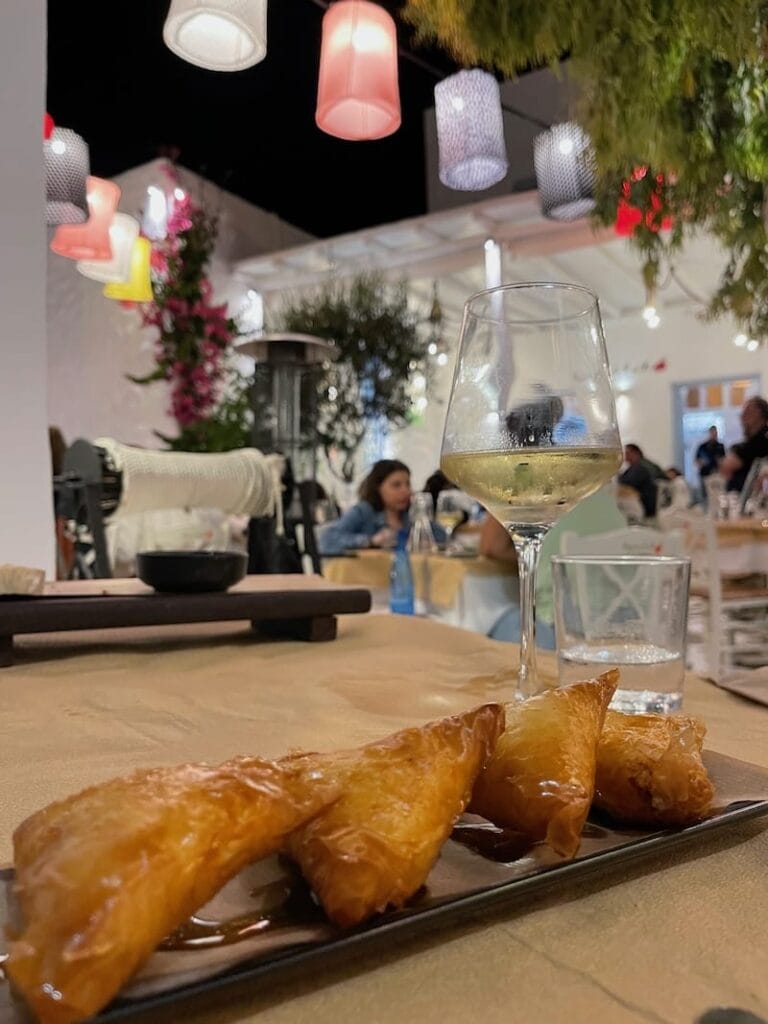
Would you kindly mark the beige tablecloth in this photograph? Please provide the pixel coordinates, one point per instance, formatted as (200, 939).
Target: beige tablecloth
(437, 577)
(660, 941)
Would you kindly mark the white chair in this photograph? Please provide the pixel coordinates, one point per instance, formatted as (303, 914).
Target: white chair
(727, 619)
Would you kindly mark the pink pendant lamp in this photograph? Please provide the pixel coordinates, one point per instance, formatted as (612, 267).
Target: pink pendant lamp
(90, 241)
(357, 95)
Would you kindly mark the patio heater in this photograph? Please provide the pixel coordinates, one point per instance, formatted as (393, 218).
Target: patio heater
(284, 397)
(287, 367)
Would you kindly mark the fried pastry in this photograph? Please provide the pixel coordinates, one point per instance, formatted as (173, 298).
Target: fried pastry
(375, 846)
(103, 876)
(541, 777)
(649, 769)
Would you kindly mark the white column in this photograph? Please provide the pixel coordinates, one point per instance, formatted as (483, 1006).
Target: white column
(26, 517)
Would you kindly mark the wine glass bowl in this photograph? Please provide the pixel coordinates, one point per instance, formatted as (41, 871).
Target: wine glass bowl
(450, 512)
(531, 424)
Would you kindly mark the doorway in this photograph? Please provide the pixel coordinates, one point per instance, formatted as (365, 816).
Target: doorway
(701, 404)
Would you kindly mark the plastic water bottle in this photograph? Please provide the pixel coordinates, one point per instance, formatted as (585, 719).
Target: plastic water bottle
(401, 591)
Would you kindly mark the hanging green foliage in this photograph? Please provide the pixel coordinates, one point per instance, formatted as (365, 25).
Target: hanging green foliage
(677, 86)
(379, 347)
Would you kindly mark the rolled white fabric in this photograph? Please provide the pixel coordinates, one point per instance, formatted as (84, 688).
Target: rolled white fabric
(241, 482)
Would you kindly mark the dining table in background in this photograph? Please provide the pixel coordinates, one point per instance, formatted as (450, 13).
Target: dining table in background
(661, 939)
(462, 589)
(743, 545)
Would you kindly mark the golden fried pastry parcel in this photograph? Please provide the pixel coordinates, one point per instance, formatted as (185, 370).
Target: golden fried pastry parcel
(375, 846)
(541, 777)
(649, 769)
(103, 876)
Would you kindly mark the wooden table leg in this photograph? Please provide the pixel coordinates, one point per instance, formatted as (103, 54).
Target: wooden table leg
(319, 628)
(6, 651)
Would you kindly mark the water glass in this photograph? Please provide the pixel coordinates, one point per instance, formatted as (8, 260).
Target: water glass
(624, 611)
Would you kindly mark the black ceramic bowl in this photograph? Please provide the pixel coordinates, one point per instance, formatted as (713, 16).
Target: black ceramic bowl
(191, 572)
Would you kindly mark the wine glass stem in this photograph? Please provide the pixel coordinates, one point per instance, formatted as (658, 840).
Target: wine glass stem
(527, 541)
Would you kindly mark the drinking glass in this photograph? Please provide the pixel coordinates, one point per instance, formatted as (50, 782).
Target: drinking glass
(451, 511)
(531, 423)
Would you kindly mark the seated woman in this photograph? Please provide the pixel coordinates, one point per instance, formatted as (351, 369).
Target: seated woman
(595, 514)
(385, 497)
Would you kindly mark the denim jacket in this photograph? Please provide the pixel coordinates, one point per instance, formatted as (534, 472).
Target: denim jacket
(356, 527)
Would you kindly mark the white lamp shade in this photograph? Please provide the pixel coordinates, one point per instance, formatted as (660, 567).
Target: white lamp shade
(220, 35)
(470, 131)
(565, 175)
(123, 232)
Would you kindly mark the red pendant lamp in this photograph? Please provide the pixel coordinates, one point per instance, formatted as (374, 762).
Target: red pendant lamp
(90, 241)
(48, 126)
(358, 96)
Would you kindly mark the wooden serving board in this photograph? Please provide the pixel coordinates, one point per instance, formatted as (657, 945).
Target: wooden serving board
(290, 606)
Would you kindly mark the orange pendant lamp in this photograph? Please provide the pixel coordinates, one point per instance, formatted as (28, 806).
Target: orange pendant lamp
(358, 96)
(90, 241)
(138, 287)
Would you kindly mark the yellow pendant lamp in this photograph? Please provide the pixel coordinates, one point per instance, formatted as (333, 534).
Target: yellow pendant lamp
(138, 287)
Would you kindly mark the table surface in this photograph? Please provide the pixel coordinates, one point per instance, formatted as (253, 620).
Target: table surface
(752, 527)
(660, 941)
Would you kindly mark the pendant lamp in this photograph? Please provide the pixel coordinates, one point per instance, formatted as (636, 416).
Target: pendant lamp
(219, 35)
(470, 131)
(138, 287)
(564, 163)
(48, 126)
(123, 232)
(357, 95)
(67, 165)
(90, 241)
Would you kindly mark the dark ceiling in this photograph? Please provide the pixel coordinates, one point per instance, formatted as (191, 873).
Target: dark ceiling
(112, 79)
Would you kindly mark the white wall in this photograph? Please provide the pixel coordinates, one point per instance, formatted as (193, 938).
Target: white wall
(26, 501)
(93, 342)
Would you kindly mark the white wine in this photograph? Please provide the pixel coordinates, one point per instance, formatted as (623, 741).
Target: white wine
(531, 485)
(449, 520)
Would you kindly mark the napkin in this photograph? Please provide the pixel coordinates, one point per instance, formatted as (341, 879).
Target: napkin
(749, 683)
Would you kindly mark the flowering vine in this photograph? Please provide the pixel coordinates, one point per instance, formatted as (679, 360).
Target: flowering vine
(208, 398)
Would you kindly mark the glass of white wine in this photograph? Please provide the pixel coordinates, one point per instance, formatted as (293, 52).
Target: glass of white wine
(450, 513)
(531, 423)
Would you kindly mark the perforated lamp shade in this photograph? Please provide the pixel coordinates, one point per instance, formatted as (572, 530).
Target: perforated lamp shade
(67, 165)
(357, 95)
(220, 35)
(563, 158)
(138, 287)
(90, 241)
(123, 232)
(470, 131)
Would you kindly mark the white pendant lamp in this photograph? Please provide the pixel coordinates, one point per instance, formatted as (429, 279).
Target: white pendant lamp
(565, 174)
(220, 35)
(123, 232)
(470, 131)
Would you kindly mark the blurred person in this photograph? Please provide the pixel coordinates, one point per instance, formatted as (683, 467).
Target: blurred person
(638, 476)
(385, 500)
(708, 455)
(736, 464)
(679, 489)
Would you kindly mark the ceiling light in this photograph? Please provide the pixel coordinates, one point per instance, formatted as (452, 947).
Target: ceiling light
(219, 35)
(442, 359)
(358, 96)
(179, 195)
(90, 241)
(649, 313)
(470, 131)
(752, 345)
(653, 321)
(154, 221)
(123, 232)
(740, 340)
(66, 170)
(565, 176)
(432, 348)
